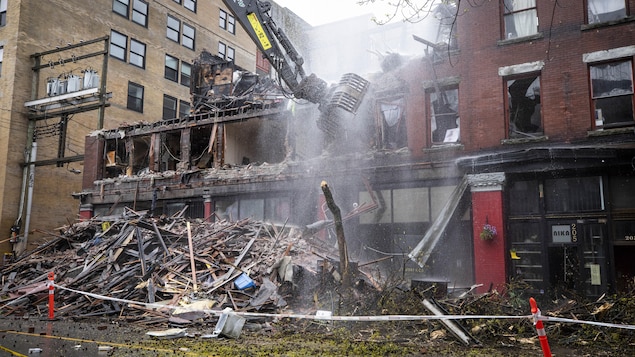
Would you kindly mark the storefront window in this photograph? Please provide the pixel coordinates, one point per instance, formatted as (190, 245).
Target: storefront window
(577, 194)
(524, 197)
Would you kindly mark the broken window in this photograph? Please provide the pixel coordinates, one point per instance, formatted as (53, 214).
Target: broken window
(612, 93)
(393, 131)
(444, 121)
(445, 13)
(520, 17)
(605, 10)
(523, 105)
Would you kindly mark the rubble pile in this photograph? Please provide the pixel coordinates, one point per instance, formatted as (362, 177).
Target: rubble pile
(240, 265)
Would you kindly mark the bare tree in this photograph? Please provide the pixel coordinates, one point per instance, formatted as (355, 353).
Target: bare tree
(411, 10)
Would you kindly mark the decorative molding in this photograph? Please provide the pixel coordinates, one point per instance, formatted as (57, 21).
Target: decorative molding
(486, 182)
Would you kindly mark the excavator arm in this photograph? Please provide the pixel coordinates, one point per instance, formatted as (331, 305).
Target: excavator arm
(254, 17)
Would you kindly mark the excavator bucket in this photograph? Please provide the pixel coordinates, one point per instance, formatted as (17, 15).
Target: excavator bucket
(347, 95)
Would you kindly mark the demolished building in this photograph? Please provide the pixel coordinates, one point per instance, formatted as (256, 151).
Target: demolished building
(476, 163)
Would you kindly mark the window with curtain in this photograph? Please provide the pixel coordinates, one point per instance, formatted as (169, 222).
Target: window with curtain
(520, 17)
(523, 106)
(612, 93)
(444, 120)
(393, 125)
(599, 11)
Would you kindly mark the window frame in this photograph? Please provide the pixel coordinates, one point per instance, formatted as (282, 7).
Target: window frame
(186, 38)
(134, 54)
(432, 115)
(167, 110)
(144, 15)
(121, 5)
(135, 103)
(184, 108)
(117, 45)
(516, 134)
(222, 53)
(588, 15)
(176, 32)
(599, 120)
(507, 14)
(186, 78)
(190, 5)
(171, 73)
(3, 12)
(222, 19)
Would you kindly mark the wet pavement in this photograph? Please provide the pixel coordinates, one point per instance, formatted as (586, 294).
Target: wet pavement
(43, 338)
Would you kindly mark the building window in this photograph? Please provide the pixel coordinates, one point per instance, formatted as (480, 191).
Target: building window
(520, 17)
(169, 107)
(523, 106)
(3, 12)
(1, 58)
(190, 5)
(444, 119)
(230, 53)
(174, 29)
(392, 132)
(118, 45)
(612, 93)
(184, 109)
(227, 22)
(599, 11)
(140, 12)
(137, 53)
(222, 50)
(578, 194)
(171, 68)
(186, 73)
(121, 7)
(189, 33)
(135, 97)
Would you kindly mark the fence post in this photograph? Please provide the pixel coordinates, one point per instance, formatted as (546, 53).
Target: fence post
(540, 329)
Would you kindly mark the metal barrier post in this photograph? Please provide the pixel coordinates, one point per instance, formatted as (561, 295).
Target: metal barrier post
(51, 283)
(542, 336)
